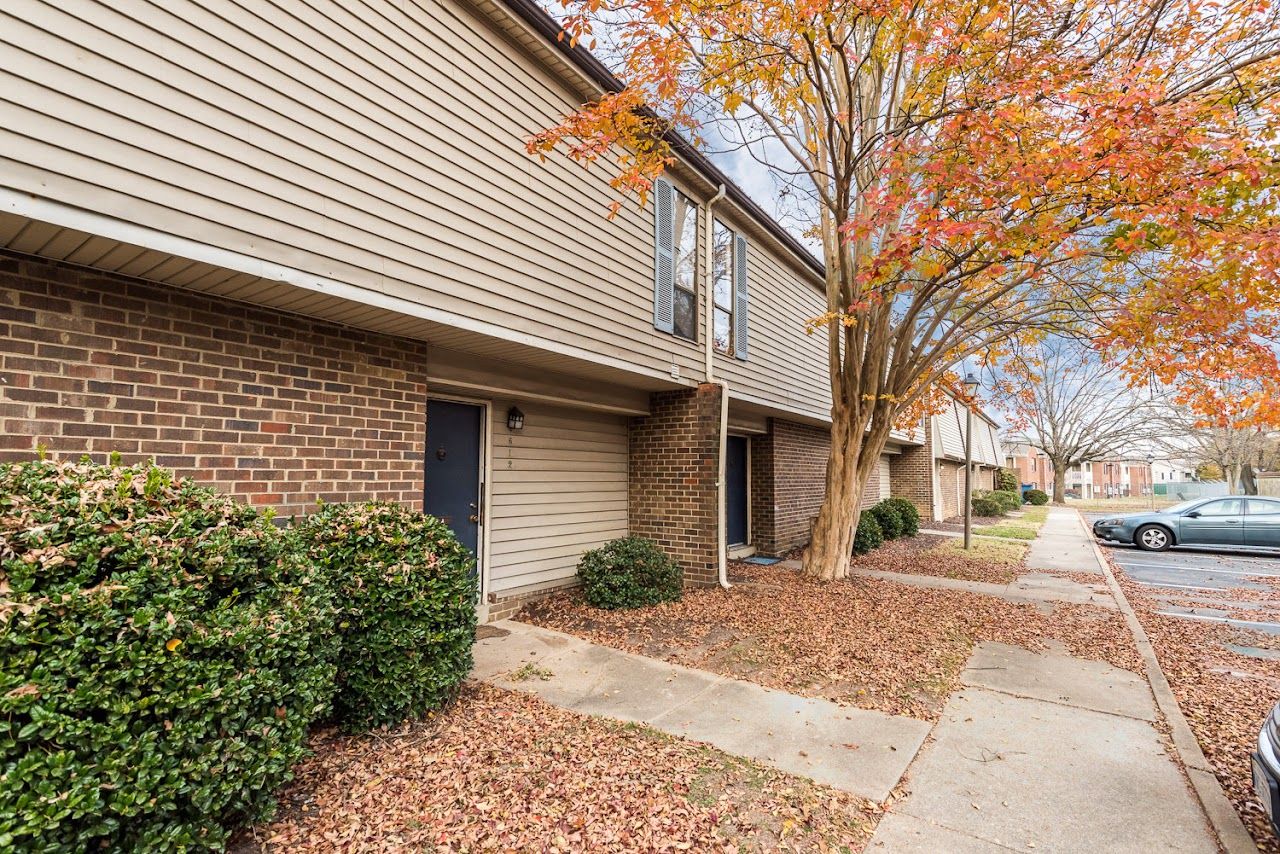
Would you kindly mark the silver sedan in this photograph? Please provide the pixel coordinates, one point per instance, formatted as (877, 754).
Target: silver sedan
(1247, 521)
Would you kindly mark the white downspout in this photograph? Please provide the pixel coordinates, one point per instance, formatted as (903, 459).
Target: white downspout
(708, 311)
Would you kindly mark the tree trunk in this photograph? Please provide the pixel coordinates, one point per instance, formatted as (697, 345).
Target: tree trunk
(831, 546)
(1059, 482)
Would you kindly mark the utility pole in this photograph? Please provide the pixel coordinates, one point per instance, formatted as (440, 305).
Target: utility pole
(970, 389)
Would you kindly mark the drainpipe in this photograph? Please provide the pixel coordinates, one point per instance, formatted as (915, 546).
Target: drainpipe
(708, 311)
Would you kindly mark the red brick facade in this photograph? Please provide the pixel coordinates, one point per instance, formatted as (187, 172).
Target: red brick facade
(951, 488)
(788, 470)
(911, 477)
(674, 458)
(275, 408)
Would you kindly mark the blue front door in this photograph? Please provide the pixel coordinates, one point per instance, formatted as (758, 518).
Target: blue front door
(452, 492)
(735, 487)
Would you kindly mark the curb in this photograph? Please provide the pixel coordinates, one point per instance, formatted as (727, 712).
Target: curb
(1226, 824)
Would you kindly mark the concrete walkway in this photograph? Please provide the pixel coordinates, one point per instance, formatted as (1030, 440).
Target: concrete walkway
(1045, 752)
(859, 751)
(1064, 545)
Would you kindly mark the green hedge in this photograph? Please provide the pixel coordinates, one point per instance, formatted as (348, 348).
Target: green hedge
(162, 654)
(888, 518)
(1038, 497)
(867, 536)
(908, 513)
(1008, 501)
(1007, 479)
(406, 589)
(986, 507)
(630, 572)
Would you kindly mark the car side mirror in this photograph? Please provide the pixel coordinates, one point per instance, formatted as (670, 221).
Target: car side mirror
(1194, 514)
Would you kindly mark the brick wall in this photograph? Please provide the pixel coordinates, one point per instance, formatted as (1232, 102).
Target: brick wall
(275, 408)
(674, 456)
(788, 473)
(911, 477)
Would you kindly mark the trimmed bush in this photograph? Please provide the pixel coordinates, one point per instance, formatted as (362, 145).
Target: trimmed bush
(630, 572)
(1007, 480)
(888, 518)
(1038, 497)
(1008, 501)
(162, 654)
(908, 513)
(406, 591)
(867, 536)
(986, 507)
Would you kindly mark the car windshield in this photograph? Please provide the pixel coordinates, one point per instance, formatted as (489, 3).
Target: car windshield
(1183, 507)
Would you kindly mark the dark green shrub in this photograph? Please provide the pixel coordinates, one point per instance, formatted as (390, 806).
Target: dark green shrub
(1007, 480)
(986, 507)
(1038, 497)
(888, 518)
(1008, 501)
(629, 573)
(162, 654)
(405, 590)
(867, 535)
(908, 513)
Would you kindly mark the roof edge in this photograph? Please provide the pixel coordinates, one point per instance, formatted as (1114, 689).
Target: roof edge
(541, 22)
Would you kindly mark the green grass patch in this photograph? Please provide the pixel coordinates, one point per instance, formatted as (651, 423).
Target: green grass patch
(1007, 530)
(993, 551)
(1034, 515)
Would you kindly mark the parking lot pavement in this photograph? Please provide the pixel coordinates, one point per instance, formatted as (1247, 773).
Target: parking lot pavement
(1184, 573)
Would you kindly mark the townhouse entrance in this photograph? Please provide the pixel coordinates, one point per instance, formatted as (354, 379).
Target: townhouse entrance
(736, 465)
(454, 468)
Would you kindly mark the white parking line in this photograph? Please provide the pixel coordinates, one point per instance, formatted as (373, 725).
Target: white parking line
(1174, 566)
(1244, 624)
(1181, 586)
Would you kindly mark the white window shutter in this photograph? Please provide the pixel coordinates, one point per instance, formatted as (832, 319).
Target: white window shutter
(664, 281)
(740, 297)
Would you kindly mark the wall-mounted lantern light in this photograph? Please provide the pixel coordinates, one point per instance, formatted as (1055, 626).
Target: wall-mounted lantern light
(515, 418)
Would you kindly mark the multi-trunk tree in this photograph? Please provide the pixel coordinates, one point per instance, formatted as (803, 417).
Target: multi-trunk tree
(961, 158)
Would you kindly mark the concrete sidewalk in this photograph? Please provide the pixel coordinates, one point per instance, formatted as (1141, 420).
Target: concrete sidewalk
(1045, 752)
(1063, 545)
(859, 751)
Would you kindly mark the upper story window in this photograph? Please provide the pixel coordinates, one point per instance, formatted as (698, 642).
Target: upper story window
(685, 258)
(722, 289)
(675, 273)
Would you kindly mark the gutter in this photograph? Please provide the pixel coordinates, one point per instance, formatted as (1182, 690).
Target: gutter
(708, 306)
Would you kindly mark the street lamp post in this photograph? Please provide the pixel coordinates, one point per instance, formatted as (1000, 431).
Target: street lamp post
(970, 389)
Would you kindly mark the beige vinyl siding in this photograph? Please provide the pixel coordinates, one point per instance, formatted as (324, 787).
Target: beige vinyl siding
(882, 470)
(377, 143)
(783, 365)
(949, 426)
(559, 488)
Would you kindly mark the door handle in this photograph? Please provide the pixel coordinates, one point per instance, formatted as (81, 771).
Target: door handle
(475, 516)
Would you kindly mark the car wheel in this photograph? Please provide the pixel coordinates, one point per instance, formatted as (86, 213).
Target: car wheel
(1152, 538)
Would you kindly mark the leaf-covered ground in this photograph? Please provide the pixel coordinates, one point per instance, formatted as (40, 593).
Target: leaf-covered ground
(992, 561)
(861, 642)
(1224, 695)
(503, 771)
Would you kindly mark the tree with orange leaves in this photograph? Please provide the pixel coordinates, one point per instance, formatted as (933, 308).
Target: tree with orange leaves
(981, 172)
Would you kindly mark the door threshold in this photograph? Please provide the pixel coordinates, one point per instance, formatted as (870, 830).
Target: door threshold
(739, 552)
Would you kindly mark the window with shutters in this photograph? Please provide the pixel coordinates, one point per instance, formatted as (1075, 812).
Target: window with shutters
(722, 288)
(728, 291)
(684, 253)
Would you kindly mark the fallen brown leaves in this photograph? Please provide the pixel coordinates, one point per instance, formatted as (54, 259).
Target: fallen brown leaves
(990, 561)
(503, 771)
(1224, 695)
(863, 642)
